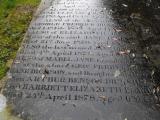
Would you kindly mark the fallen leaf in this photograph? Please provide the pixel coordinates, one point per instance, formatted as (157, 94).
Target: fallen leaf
(135, 15)
(117, 30)
(117, 73)
(121, 52)
(158, 89)
(46, 71)
(133, 55)
(43, 76)
(132, 66)
(115, 39)
(128, 51)
(145, 56)
(109, 46)
(125, 5)
(147, 30)
(104, 98)
(124, 52)
(152, 73)
(154, 91)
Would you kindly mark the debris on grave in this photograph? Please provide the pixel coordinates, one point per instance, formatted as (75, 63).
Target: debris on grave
(114, 39)
(109, 46)
(117, 73)
(98, 47)
(135, 16)
(43, 76)
(133, 55)
(145, 56)
(124, 5)
(158, 89)
(46, 71)
(154, 91)
(121, 52)
(103, 98)
(110, 12)
(152, 73)
(124, 52)
(147, 30)
(117, 30)
(132, 66)
(158, 92)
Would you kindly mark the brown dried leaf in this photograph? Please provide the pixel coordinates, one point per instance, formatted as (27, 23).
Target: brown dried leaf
(104, 98)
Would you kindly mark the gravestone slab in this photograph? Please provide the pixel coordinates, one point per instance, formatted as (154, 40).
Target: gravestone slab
(75, 64)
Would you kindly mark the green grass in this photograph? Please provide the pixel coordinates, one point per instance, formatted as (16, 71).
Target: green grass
(15, 16)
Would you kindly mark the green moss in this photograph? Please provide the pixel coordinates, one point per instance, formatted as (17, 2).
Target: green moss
(15, 16)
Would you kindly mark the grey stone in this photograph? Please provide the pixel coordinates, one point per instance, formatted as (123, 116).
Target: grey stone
(75, 65)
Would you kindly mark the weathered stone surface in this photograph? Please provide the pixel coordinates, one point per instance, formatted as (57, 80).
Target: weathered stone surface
(78, 63)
